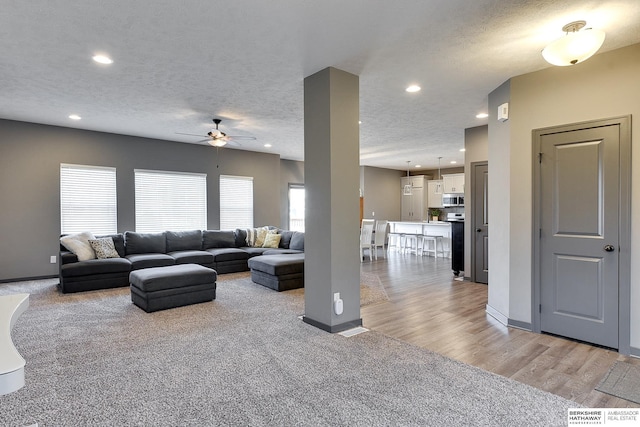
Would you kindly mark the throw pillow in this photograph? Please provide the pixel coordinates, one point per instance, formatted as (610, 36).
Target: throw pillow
(272, 240)
(261, 233)
(79, 245)
(104, 248)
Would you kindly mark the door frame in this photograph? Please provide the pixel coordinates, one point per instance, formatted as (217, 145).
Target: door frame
(472, 242)
(624, 230)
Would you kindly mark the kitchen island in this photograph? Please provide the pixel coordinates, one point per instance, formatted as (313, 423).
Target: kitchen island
(407, 235)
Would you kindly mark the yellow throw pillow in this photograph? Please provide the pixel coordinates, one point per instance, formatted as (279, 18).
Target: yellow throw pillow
(272, 240)
(261, 233)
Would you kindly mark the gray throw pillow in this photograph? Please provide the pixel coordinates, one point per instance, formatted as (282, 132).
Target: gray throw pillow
(297, 241)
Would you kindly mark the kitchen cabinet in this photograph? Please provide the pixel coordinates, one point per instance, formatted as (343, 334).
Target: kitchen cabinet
(414, 198)
(453, 183)
(434, 194)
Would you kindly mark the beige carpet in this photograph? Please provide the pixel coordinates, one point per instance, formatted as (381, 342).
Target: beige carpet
(371, 290)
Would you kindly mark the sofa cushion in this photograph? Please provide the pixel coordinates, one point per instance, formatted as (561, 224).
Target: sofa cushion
(218, 239)
(104, 248)
(285, 238)
(144, 243)
(277, 265)
(147, 260)
(192, 257)
(297, 241)
(280, 251)
(79, 244)
(241, 237)
(254, 251)
(228, 254)
(95, 266)
(184, 240)
(172, 277)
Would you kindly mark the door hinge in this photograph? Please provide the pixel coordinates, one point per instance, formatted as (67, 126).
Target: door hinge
(539, 157)
(540, 233)
(539, 308)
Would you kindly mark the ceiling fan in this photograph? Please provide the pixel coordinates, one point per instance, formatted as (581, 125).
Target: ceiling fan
(217, 138)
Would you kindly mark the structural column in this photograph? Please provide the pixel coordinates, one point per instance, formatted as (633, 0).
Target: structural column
(332, 212)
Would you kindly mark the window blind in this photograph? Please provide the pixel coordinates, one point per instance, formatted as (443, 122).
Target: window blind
(88, 199)
(170, 201)
(236, 202)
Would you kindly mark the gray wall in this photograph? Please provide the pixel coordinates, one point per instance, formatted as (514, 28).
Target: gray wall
(604, 86)
(30, 184)
(381, 192)
(476, 144)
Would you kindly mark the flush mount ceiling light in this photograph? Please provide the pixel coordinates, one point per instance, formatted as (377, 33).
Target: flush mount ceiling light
(102, 59)
(74, 117)
(413, 89)
(575, 47)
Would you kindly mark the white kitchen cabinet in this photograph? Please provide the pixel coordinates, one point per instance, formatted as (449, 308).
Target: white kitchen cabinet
(434, 194)
(453, 183)
(414, 198)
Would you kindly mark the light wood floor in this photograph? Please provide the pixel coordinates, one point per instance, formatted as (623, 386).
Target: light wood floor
(429, 309)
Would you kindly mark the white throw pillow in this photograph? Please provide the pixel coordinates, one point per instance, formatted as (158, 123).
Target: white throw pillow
(79, 245)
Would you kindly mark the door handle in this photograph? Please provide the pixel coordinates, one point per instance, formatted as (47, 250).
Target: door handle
(479, 230)
(609, 248)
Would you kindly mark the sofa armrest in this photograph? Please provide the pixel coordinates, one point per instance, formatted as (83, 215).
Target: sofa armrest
(67, 257)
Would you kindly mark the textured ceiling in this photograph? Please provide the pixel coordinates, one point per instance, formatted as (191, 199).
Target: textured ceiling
(177, 64)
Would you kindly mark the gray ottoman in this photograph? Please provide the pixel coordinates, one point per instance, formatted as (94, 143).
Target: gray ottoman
(159, 288)
(278, 272)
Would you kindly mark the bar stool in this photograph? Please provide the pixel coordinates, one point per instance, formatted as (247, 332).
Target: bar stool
(395, 241)
(411, 242)
(429, 248)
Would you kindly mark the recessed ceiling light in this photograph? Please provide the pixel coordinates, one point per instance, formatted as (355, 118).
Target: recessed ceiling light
(418, 166)
(74, 117)
(453, 162)
(463, 150)
(359, 122)
(413, 88)
(482, 116)
(268, 145)
(102, 59)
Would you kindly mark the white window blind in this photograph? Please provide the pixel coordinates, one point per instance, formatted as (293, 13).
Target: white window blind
(88, 199)
(170, 201)
(296, 207)
(236, 202)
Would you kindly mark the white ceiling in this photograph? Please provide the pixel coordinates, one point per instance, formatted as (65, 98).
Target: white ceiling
(177, 64)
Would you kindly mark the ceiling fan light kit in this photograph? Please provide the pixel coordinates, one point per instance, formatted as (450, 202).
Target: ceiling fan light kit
(575, 47)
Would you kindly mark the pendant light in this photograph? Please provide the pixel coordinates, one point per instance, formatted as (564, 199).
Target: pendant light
(439, 185)
(575, 47)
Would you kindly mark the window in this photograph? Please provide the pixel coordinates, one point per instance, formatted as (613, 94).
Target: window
(88, 199)
(296, 207)
(236, 202)
(170, 201)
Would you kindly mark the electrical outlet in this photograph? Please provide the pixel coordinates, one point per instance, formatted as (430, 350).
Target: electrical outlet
(53, 259)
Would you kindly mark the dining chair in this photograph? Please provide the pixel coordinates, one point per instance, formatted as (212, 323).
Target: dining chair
(380, 236)
(366, 235)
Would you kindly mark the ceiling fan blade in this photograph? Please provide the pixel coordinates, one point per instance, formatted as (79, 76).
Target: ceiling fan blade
(190, 134)
(241, 137)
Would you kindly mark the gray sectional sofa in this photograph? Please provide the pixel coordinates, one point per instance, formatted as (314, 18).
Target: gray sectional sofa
(223, 251)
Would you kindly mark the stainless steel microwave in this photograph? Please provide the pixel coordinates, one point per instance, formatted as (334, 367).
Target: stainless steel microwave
(449, 200)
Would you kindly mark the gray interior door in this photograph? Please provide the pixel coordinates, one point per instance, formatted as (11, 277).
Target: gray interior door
(480, 222)
(579, 236)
